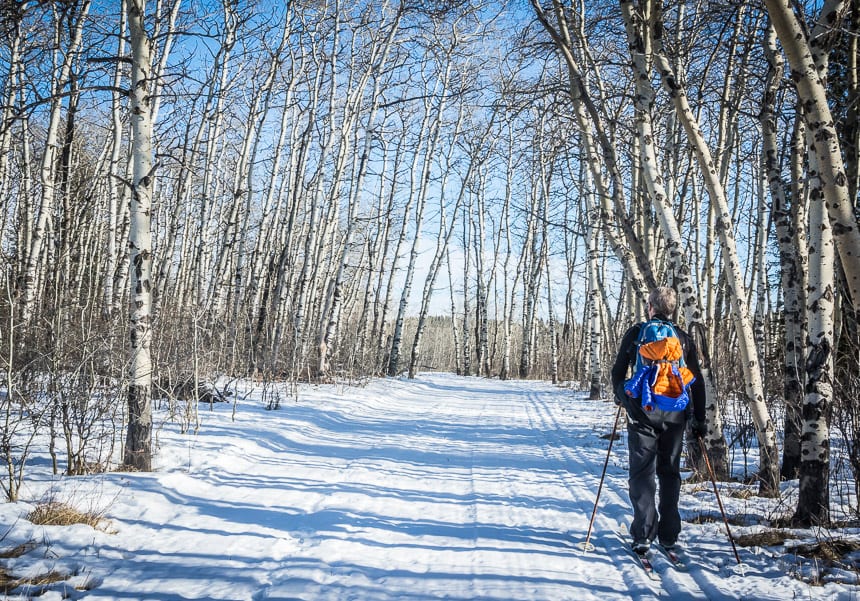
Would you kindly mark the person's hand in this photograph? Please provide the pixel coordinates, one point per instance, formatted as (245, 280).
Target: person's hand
(699, 428)
(619, 395)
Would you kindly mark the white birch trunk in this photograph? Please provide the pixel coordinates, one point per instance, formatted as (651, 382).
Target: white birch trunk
(593, 295)
(10, 100)
(528, 260)
(115, 184)
(789, 260)
(629, 250)
(455, 331)
(25, 214)
(804, 57)
(813, 503)
(676, 254)
(795, 298)
(508, 292)
(553, 342)
(754, 387)
(32, 277)
(481, 288)
(138, 452)
(467, 308)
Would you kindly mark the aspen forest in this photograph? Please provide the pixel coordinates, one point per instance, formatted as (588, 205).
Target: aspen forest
(314, 191)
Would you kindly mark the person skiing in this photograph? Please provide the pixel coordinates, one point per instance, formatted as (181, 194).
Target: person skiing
(655, 434)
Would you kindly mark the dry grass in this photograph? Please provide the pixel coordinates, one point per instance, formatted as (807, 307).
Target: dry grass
(743, 493)
(35, 586)
(89, 585)
(713, 518)
(61, 514)
(8, 584)
(50, 513)
(18, 551)
(829, 550)
(699, 486)
(826, 553)
(765, 538)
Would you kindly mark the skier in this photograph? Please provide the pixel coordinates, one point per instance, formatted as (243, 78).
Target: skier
(655, 436)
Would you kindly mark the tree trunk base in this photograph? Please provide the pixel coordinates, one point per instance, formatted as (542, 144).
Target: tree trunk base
(138, 442)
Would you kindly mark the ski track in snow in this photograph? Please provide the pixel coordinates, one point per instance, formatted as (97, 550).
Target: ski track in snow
(441, 487)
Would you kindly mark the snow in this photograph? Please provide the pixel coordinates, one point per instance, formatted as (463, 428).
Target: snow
(441, 487)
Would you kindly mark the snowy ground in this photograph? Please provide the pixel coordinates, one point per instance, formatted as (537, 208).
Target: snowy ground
(440, 487)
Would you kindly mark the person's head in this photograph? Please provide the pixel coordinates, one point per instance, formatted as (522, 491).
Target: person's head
(662, 301)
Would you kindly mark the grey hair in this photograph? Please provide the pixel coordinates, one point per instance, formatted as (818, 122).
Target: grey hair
(663, 300)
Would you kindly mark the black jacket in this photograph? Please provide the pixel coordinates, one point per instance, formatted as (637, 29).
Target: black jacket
(626, 360)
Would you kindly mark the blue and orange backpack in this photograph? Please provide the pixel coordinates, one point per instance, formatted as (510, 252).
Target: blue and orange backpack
(661, 377)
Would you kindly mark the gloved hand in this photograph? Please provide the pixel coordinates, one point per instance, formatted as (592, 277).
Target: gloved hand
(700, 429)
(619, 395)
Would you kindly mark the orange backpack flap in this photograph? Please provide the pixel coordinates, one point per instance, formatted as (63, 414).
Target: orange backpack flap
(686, 376)
(670, 380)
(667, 349)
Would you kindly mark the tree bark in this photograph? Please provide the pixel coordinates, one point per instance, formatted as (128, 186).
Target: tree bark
(769, 460)
(640, 49)
(629, 249)
(791, 267)
(813, 503)
(809, 76)
(138, 451)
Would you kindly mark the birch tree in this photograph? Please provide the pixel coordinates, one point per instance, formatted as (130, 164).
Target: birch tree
(600, 154)
(813, 503)
(138, 451)
(467, 273)
(640, 48)
(481, 284)
(592, 304)
(808, 71)
(508, 292)
(115, 184)
(545, 262)
(792, 268)
(754, 388)
(11, 99)
(32, 274)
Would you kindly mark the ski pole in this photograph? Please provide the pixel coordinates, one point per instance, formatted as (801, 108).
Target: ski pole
(586, 546)
(719, 501)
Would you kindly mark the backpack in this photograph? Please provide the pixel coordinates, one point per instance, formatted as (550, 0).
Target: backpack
(661, 377)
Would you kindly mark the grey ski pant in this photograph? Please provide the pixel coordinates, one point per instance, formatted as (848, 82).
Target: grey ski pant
(655, 441)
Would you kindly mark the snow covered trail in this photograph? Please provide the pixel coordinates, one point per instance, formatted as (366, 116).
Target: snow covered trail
(476, 506)
(441, 487)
